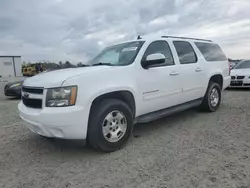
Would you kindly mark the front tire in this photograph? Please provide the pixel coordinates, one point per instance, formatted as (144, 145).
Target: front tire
(212, 98)
(110, 125)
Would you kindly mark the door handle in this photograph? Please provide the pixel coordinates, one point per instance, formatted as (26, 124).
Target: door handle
(174, 73)
(198, 70)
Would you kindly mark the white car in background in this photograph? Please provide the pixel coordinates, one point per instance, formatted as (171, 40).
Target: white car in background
(240, 74)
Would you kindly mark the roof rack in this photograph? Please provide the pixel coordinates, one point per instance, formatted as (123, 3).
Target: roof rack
(186, 38)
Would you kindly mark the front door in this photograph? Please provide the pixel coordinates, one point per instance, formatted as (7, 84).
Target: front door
(160, 85)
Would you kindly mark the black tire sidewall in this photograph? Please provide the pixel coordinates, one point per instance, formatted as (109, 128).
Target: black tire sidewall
(211, 87)
(100, 113)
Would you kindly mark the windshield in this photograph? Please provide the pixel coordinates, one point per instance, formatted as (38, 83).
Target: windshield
(121, 54)
(243, 65)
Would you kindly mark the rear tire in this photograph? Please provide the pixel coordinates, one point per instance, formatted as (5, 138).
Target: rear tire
(212, 98)
(110, 125)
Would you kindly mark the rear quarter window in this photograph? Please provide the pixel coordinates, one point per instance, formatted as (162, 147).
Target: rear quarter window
(211, 52)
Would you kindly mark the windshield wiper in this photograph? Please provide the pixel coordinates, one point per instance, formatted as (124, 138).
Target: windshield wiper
(100, 63)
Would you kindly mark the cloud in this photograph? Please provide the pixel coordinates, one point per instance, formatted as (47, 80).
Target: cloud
(76, 30)
(164, 20)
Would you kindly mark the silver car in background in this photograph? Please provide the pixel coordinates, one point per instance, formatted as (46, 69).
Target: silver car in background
(240, 74)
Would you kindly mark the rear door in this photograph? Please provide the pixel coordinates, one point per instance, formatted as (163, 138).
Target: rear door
(192, 71)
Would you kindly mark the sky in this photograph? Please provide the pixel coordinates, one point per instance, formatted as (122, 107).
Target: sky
(76, 30)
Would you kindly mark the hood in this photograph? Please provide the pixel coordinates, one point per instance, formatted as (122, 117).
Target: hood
(57, 77)
(240, 72)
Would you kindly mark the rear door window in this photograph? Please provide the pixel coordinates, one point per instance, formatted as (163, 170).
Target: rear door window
(211, 52)
(185, 52)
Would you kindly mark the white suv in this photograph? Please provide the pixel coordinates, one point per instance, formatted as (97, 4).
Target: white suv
(132, 82)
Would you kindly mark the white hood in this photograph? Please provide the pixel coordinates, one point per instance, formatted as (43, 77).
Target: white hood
(57, 77)
(240, 72)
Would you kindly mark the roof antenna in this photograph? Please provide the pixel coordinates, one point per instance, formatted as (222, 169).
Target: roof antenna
(139, 37)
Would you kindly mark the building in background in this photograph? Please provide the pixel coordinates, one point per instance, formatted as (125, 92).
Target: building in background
(10, 66)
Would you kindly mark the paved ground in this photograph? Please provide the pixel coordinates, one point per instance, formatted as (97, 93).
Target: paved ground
(190, 149)
(2, 84)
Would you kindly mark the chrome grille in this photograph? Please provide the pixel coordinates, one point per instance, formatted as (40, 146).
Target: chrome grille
(240, 77)
(32, 90)
(35, 102)
(32, 103)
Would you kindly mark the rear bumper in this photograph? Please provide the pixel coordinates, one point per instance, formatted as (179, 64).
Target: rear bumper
(65, 123)
(226, 82)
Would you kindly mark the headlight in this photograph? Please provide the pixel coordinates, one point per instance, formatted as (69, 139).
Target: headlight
(61, 97)
(15, 85)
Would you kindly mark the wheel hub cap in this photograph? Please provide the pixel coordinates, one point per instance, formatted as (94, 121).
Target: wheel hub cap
(214, 97)
(114, 126)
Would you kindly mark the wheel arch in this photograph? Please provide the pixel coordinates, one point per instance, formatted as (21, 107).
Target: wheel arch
(217, 78)
(124, 95)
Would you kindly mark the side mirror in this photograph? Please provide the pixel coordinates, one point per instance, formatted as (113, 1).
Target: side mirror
(153, 59)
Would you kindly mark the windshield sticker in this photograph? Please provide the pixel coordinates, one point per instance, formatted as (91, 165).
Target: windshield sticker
(130, 49)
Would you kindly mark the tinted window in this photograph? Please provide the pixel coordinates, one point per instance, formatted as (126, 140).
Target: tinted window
(185, 52)
(160, 47)
(211, 52)
(243, 65)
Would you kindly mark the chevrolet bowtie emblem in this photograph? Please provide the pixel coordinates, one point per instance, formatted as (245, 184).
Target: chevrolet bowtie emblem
(25, 95)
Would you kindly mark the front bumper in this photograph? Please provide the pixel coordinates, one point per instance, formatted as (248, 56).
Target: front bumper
(66, 122)
(13, 92)
(236, 83)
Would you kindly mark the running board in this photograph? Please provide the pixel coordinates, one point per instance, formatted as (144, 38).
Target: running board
(168, 111)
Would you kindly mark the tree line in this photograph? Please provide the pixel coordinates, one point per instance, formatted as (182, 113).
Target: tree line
(51, 65)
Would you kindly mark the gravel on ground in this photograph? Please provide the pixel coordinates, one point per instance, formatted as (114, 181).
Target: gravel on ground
(189, 149)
